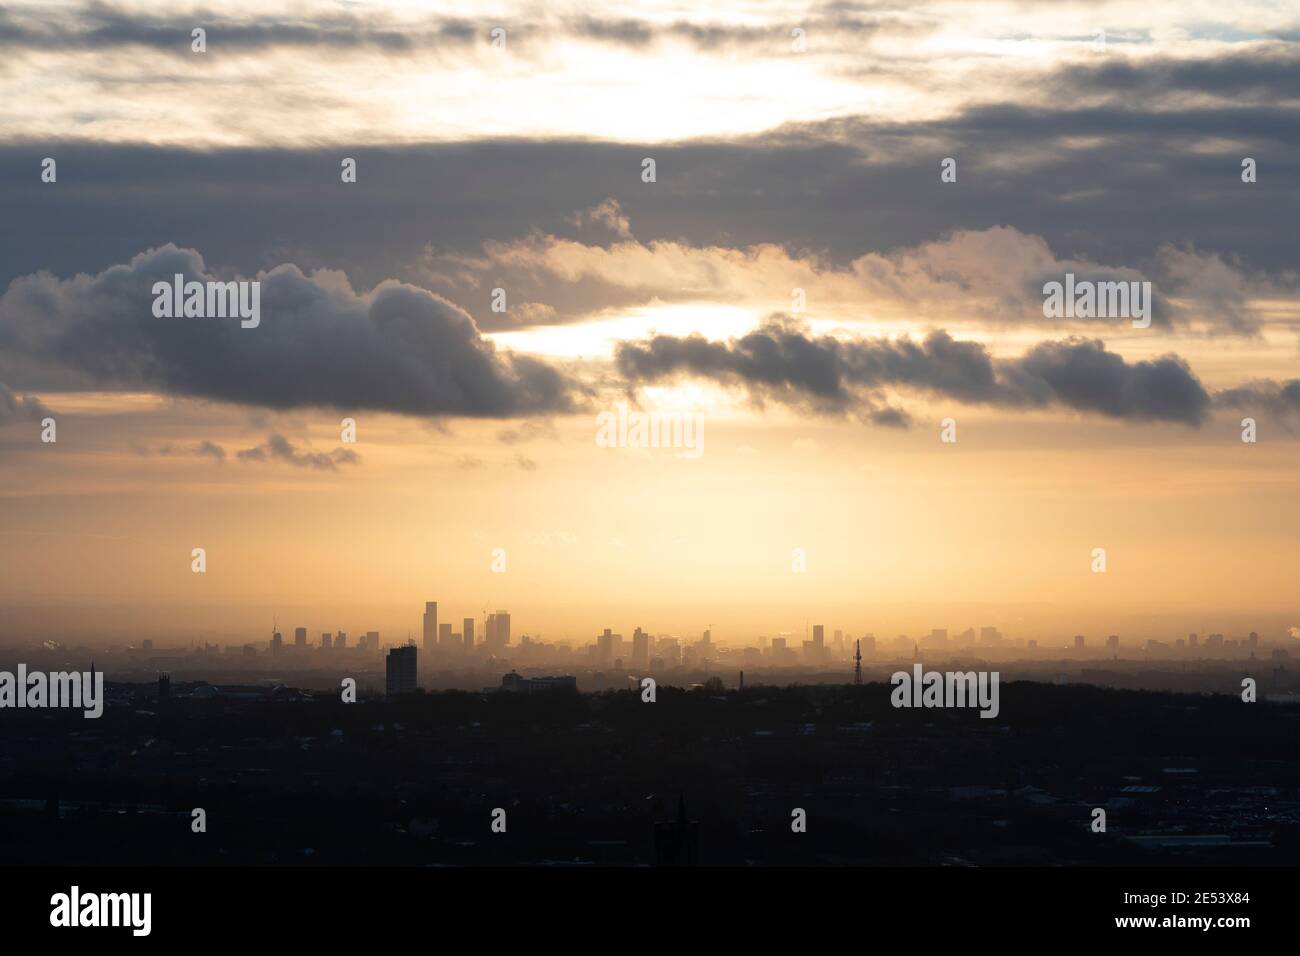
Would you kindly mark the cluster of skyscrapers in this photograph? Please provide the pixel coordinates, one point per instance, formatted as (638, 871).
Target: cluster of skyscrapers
(440, 638)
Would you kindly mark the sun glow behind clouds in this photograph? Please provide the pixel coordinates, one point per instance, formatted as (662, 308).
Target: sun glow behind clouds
(597, 338)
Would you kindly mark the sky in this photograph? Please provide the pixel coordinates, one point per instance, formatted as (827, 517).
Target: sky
(824, 231)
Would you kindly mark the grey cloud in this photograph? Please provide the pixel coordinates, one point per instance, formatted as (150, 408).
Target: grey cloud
(211, 450)
(1279, 398)
(782, 362)
(204, 449)
(15, 407)
(279, 448)
(396, 348)
(98, 27)
(526, 432)
(1268, 74)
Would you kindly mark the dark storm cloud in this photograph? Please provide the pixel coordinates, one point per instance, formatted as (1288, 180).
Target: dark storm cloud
(397, 348)
(782, 362)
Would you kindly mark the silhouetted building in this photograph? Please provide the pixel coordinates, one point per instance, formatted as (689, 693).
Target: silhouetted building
(516, 684)
(640, 648)
(300, 637)
(430, 624)
(468, 632)
(400, 667)
(500, 631)
(678, 843)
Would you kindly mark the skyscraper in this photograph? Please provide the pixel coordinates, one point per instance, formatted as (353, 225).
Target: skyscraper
(300, 637)
(430, 624)
(469, 633)
(640, 648)
(400, 670)
(325, 640)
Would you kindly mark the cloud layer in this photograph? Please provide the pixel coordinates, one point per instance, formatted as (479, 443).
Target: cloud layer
(397, 348)
(782, 362)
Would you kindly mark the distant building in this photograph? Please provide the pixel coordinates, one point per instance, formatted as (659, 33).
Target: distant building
(300, 637)
(640, 648)
(497, 631)
(326, 639)
(400, 671)
(430, 624)
(277, 642)
(341, 640)
(1079, 642)
(1112, 642)
(526, 685)
(938, 638)
(147, 644)
(468, 632)
(605, 646)
(372, 640)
